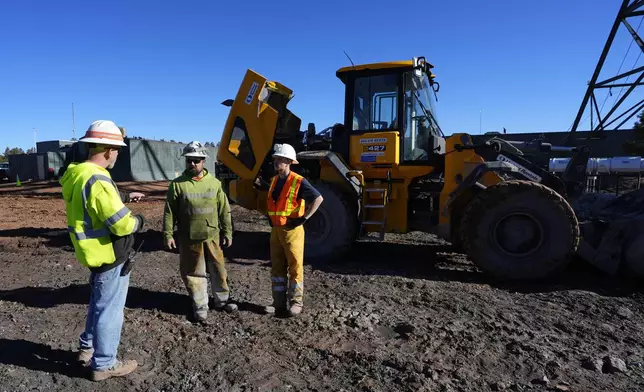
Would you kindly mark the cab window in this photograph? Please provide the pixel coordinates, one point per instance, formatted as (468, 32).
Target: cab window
(375, 103)
(421, 126)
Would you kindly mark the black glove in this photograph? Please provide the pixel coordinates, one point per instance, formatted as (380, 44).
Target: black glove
(125, 196)
(295, 222)
(141, 221)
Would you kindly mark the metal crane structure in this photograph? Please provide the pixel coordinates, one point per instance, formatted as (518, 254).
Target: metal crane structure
(620, 112)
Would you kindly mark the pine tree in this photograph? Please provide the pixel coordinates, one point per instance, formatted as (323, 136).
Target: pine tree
(636, 146)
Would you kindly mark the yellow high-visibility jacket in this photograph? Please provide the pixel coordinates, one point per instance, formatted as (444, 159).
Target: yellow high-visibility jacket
(95, 210)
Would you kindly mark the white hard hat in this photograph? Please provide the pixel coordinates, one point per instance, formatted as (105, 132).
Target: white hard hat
(103, 132)
(285, 151)
(195, 149)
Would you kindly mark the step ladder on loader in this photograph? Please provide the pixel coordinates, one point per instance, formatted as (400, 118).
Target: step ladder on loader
(374, 200)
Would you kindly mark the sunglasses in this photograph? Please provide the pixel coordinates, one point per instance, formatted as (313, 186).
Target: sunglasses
(193, 160)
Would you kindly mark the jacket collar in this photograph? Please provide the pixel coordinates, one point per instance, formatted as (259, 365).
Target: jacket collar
(187, 173)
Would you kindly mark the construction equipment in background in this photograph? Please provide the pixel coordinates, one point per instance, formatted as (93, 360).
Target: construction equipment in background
(388, 167)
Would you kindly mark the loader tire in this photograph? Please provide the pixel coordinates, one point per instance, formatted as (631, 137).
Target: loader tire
(330, 232)
(520, 230)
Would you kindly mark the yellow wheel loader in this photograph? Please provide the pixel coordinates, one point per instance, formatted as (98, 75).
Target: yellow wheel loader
(388, 168)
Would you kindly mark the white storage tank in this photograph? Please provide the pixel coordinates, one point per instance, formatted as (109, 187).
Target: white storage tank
(625, 164)
(593, 166)
(602, 165)
(558, 165)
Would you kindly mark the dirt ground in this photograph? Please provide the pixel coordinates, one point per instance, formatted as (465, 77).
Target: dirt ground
(403, 315)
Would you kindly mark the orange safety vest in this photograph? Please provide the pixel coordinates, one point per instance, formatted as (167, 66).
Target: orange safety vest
(286, 206)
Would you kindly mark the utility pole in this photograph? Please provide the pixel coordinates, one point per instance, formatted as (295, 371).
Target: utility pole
(481, 122)
(35, 140)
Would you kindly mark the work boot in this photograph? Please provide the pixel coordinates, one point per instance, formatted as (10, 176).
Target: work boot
(295, 309)
(85, 356)
(227, 306)
(278, 305)
(201, 317)
(269, 309)
(118, 370)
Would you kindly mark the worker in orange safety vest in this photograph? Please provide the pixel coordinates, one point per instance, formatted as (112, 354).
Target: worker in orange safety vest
(291, 201)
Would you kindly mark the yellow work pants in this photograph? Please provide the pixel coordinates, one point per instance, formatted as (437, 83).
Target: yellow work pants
(287, 258)
(194, 259)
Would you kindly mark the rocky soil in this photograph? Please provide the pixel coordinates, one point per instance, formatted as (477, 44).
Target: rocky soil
(403, 315)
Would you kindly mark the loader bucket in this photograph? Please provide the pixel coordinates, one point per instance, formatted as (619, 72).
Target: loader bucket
(613, 234)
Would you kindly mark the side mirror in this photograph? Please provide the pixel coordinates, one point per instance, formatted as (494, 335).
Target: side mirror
(228, 102)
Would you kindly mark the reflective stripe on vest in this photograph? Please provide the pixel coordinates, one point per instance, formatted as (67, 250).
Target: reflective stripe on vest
(88, 232)
(286, 205)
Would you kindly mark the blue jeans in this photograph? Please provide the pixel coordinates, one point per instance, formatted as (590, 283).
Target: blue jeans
(105, 316)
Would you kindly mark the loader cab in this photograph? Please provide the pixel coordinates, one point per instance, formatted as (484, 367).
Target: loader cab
(389, 115)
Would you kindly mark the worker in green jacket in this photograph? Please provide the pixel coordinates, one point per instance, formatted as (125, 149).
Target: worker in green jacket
(196, 202)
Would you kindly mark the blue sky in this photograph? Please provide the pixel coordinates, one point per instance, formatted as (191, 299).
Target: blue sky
(161, 68)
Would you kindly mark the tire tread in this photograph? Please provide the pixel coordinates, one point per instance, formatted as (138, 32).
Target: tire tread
(498, 194)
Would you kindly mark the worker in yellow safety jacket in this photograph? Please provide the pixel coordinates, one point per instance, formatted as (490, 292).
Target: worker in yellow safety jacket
(101, 229)
(196, 202)
(291, 201)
